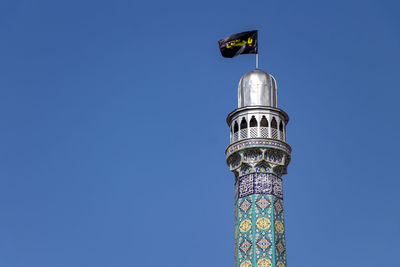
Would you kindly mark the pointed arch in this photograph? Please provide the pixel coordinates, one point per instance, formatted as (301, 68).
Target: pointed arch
(274, 128)
(253, 127)
(243, 129)
(253, 122)
(264, 130)
(263, 122)
(243, 124)
(281, 133)
(274, 123)
(235, 127)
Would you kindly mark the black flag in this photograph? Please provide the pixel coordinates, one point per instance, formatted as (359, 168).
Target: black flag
(240, 43)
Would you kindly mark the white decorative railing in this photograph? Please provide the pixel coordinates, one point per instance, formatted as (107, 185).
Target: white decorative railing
(235, 136)
(281, 136)
(253, 132)
(274, 133)
(264, 132)
(259, 131)
(243, 133)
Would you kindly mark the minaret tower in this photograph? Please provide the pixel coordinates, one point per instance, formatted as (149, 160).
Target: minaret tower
(258, 155)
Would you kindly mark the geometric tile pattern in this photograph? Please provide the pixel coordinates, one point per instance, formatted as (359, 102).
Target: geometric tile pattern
(280, 244)
(244, 230)
(260, 232)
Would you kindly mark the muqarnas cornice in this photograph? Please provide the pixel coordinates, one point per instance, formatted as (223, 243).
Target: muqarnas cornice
(258, 155)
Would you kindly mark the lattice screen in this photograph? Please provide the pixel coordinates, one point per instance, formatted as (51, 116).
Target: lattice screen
(264, 132)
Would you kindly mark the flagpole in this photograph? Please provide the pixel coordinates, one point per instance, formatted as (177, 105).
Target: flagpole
(257, 61)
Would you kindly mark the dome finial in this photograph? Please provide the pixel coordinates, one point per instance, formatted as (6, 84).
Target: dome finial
(257, 88)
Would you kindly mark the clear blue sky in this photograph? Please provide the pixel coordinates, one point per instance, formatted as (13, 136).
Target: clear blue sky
(113, 131)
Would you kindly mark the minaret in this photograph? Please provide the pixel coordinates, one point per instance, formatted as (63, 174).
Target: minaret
(258, 155)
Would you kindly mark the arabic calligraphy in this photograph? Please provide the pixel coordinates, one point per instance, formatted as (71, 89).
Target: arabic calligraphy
(239, 42)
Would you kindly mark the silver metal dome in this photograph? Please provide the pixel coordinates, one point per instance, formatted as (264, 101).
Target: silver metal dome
(257, 88)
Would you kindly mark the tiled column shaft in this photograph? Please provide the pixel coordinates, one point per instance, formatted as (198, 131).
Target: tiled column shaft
(258, 166)
(260, 239)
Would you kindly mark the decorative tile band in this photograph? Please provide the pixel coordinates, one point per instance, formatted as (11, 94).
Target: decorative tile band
(259, 183)
(258, 143)
(260, 232)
